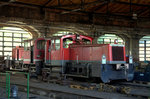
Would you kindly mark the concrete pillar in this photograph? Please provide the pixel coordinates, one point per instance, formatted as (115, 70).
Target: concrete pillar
(95, 40)
(127, 46)
(134, 47)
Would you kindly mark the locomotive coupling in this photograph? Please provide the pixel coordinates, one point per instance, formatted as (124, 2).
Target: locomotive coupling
(122, 66)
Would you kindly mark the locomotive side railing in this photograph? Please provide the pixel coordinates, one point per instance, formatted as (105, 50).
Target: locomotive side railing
(25, 82)
(9, 83)
(5, 85)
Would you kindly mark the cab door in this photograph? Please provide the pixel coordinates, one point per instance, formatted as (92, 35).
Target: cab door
(55, 52)
(48, 52)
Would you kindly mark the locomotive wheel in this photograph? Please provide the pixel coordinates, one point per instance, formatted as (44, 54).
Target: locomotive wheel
(44, 75)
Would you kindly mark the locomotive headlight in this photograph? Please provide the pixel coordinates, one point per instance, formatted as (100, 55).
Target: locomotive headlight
(103, 59)
(130, 59)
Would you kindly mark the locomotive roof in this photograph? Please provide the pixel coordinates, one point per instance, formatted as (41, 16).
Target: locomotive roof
(54, 37)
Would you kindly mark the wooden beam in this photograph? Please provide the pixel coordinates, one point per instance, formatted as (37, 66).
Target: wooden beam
(130, 3)
(47, 3)
(100, 6)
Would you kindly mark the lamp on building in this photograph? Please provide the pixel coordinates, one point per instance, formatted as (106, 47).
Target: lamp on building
(134, 16)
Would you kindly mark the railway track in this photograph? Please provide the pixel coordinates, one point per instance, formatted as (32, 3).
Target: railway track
(57, 89)
(137, 89)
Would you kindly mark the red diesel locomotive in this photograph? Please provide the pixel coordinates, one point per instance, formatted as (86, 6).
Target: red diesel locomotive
(75, 55)
(30, 56)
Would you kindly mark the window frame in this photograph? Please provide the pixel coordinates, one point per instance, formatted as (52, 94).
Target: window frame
(144, 49)
(10, 33)
(106, 39)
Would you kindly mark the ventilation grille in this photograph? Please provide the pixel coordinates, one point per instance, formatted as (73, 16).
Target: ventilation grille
(117, 53)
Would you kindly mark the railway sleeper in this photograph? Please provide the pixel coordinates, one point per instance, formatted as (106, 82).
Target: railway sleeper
(142, 82)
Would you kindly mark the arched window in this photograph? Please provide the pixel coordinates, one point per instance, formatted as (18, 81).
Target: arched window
(109, 39)
(144, 48)
(11, 37)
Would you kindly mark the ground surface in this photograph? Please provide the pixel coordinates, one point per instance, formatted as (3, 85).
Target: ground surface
(54, 91)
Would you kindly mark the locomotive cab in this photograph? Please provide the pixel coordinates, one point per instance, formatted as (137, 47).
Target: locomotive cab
(58, 51)
(17, 57)
(34, 54)
(28, 52)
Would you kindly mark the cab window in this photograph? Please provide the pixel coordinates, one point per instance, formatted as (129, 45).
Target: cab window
(28, 44)
(86, 41)
(66, 42)
(41, 44)
(25, 45)
(55, 44)
(52, 45)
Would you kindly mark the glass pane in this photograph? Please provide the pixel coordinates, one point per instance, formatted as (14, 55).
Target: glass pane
(109, 38)
(1, 48)
(141, 42)
(25, 39)
(120, 40)
(141, 48)
(57, 44)
(1, 33)
(17, 39)
(147, 44)
(141, 55)
(27, 35)
(148, 48)
(1, 43)
(17, 44)
(17, 35)
(1, 39)
(7, 43)
(141, 59)
(141, 45)
(147, 52)
(148, 59)
(141, 52)
(7, 34)
(100, 42)
(6, 57)
(7, 39)
(41, 44)
(100, 39)
(7, 53)
(1, 53)
(8, 48)
(147, 55)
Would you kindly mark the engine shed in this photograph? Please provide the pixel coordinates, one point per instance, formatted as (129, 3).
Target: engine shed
(72, 49)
